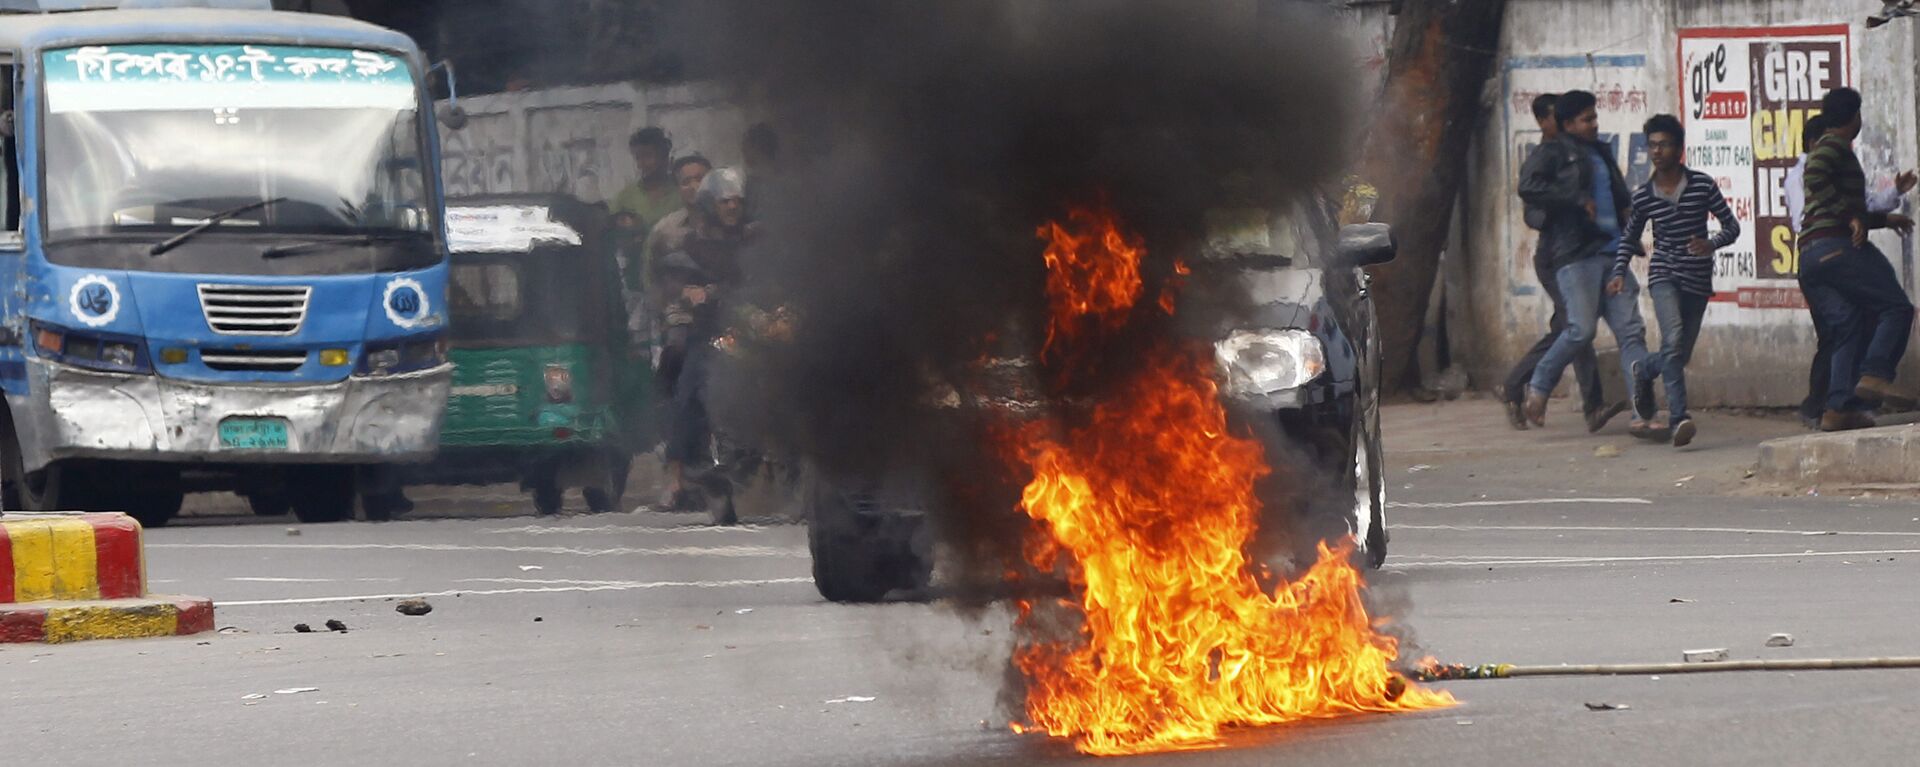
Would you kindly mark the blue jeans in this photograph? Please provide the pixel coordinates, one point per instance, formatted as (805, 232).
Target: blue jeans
(1584, 284)
(1679, 314)
(1859, 299)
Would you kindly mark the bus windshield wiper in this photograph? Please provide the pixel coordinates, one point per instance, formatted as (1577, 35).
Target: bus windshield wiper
(283, 251)
(211, 222)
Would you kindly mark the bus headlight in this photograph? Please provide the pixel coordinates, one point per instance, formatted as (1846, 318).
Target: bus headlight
(1258, 362)
(404, 356)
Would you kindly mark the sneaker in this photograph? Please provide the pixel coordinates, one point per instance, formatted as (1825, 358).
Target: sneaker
(1845, 420)
(1597, 419)
(1642, 393)
(1515, 416)
(1684, 432)
(1874, 390)
(1536, 408)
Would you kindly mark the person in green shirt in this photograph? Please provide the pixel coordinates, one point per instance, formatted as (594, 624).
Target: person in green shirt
(654, 195)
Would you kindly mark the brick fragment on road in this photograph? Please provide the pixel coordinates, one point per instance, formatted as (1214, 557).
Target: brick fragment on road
(1713, 655)
(1780, 640)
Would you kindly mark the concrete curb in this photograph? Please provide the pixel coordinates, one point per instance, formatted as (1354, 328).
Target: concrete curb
(74, 577)
(77, 621)
(1884, 455)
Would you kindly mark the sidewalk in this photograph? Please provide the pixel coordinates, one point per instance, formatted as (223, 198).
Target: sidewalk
(1469, 439)
(1886, 458)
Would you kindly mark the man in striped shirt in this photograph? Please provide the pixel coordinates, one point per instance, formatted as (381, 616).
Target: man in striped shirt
(1676, 200)
(1847, 281)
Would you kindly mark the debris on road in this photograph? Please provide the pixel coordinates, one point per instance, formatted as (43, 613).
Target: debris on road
(253, 696)
(743, 611)
(1712, 655)
(1607, 707)
(537, 619)
(414, 607)
(293, 532)
(1418, 467)
(1607, 451)
(1679, 601)
(335, 625)
(302, 628)
(232, 630)
(529, 568)
(853, 699)
(296, 690)
(1780, 640)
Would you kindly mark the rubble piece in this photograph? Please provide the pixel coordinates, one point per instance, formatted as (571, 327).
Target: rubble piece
(296, 690)
(302, 628)
(414, 607)
(1607, 707)
(1607, 451)
(1679, 601)
(1712, 655)
(335, 625)
(293, 532)
(1780, 640)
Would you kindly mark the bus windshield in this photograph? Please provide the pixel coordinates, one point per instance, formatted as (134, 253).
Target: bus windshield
(155, 139)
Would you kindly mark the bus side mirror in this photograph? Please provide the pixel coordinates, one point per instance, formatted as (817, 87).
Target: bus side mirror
(451, 114)
(1366, 244)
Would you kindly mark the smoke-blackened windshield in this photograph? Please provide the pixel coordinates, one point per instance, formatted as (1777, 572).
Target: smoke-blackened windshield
(157, 138)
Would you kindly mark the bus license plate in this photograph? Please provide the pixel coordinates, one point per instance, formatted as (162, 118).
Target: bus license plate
(253, 434)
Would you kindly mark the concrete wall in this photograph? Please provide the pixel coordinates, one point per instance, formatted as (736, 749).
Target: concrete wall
(1634, 54)
(575, 139)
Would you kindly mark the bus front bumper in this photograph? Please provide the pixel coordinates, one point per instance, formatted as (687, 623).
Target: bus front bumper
(76, 413)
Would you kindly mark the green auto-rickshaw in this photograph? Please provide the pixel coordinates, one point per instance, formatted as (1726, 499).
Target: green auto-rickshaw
(544, 390)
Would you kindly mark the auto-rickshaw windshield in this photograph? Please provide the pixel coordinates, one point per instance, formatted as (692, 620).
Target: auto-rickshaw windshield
(157, 138)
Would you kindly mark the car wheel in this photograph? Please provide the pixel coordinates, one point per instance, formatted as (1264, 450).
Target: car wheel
(547, 497)
(322, 495)
(1369, 485)
(269, 505)
(858, 558)
(601, 500)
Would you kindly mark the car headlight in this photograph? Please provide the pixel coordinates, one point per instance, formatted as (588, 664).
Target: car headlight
(1258, 362)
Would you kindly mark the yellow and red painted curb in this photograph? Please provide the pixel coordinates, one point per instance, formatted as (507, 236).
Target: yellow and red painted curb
(73, 577)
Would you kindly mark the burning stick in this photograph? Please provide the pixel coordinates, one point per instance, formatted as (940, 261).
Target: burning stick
(1439, 672)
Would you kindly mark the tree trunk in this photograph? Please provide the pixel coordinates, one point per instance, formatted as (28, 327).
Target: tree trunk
(1439, 59)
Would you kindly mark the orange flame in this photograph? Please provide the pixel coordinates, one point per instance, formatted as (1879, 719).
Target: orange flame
(1151, 504)
(1093, 272)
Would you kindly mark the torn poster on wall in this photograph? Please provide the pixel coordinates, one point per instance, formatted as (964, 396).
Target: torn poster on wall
(1745, 96)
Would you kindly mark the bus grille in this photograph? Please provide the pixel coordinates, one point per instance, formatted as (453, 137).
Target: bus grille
(255, 310)
(252, 361)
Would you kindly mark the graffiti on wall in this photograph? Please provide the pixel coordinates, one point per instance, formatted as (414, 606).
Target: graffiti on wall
(1746, 95)
(478, 159)
(1620, 86)
(580, 149)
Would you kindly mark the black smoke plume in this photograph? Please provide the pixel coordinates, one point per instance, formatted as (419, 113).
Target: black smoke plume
(924, 143)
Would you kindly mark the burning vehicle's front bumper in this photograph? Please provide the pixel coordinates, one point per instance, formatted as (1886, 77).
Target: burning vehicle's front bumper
(71, 412)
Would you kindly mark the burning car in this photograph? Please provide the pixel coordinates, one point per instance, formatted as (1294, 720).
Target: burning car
(1298, 362)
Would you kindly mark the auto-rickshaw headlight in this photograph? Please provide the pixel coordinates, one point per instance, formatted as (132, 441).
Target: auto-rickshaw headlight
(559, 384)
(335, 357)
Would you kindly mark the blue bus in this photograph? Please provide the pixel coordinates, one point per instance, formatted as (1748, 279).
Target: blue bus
(223, 262)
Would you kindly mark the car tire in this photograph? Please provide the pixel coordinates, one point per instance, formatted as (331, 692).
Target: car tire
(322, 495)
(857, 558)
(601, 500)
(1370, 482)
(269, 505)
(155, 507)
(548, 498)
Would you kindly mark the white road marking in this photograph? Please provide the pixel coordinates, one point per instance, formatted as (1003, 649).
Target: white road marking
(1611, 528)
(312, 580)
(560, 530)
(609, 586)
(1590, 561)
(683, 551)
(1517, 502)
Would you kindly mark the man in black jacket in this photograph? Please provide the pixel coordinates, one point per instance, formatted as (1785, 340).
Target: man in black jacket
(1576, 182)
(1586, 371)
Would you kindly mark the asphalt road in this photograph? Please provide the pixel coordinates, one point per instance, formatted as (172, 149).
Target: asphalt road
(648, 639)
